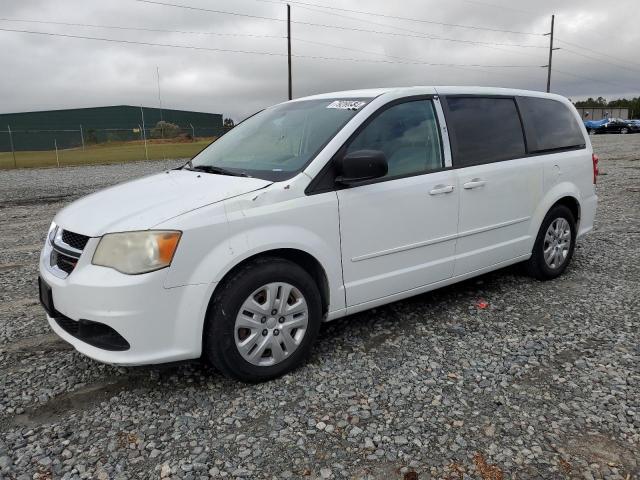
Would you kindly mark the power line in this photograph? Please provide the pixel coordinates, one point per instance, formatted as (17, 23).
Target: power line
(486, 72)
(358, 50)
(597, 80)
(249, 35)
(415, 62)
(314, 57)
(564, 49)
(339, 27)
(607, 55)
(416, 34)
(141, 29)
(224, 12)
(341, 47)
(397, 17)
(407, 60)
(113, 40)
(404, 60)
(501, 7)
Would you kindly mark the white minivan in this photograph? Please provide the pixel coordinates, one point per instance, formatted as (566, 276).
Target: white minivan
(314, 209)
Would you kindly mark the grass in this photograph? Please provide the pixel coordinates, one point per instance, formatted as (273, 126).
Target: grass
(111, 152)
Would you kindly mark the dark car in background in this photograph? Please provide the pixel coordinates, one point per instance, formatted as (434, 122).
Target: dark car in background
(611, 125)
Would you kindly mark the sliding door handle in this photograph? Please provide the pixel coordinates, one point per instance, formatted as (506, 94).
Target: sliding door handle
(475, 183)
(440, 189)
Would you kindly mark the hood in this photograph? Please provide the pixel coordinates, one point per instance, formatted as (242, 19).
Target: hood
(140, 204)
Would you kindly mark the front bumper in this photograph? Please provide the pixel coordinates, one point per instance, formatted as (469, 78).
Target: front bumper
(159, 324)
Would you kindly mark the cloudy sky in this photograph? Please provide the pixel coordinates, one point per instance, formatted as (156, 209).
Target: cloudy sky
(335, 47)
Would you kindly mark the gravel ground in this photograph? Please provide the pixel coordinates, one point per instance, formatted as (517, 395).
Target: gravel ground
(544, 382)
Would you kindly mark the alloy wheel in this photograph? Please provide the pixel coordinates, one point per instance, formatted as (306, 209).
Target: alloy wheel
(557, 242)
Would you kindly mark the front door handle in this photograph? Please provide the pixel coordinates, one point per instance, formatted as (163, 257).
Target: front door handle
(439, 189)
(475, 183)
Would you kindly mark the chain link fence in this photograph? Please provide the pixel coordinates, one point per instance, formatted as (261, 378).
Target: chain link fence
(58, 147)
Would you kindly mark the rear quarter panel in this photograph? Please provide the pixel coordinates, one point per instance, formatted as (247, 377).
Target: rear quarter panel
(569, 174)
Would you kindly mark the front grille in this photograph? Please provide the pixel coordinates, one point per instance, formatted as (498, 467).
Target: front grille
(67, 248)
(74, 240)
(66, 263)
(95, 334)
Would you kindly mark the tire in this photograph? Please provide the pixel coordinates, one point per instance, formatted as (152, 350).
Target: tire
(539, 267)
(592, 132)
(624, 131)
(231, 327)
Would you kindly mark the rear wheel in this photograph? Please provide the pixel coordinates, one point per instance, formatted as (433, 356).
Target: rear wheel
(263, 321)
(624, 131)
(592, 131)
(554, 244)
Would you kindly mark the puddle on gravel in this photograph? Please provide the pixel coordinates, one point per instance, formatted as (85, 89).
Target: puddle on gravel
(31, 248)
(47, 341)
(13, 305)
(378, 340)
(605, 451)
(46, 200)
(62, 406)
(180, 375)
(13, 266)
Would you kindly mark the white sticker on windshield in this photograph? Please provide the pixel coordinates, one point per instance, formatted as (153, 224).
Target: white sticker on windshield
(347, 104)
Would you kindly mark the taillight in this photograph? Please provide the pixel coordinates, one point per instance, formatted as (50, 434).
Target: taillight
(595, 159)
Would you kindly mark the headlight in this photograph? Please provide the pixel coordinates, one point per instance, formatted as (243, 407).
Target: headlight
(51, 234)
(137, 252)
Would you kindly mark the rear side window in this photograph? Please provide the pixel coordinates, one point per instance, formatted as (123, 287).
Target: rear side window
(484, 130)
(549, 124)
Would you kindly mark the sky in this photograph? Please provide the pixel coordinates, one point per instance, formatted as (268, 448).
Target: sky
(334, 46)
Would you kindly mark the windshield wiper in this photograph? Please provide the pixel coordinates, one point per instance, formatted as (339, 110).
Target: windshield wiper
(217, 170)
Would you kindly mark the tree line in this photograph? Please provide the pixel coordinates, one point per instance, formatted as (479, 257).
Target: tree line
(632, 104)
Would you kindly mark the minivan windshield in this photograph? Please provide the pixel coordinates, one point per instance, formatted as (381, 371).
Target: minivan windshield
(278, 142)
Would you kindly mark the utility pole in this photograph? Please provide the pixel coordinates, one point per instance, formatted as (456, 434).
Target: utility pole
(159, 97)
(82, 137)
(289, 48)
(55, 143)
(551, 49)
(160, 102)
(13, 151)
(144, 134)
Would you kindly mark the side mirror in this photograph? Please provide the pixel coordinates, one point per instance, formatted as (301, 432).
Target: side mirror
(360, 166)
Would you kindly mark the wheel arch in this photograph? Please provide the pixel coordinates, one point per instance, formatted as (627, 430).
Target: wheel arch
(564, 193)
(572, 204)
(301, 258)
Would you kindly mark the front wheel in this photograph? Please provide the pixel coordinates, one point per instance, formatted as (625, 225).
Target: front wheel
(263, 321)
(554, 244)
(624, 131)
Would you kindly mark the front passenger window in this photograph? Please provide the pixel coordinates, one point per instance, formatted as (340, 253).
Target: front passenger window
(408, 135)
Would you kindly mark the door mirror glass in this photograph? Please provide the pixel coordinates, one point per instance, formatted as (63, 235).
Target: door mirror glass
(360, 166)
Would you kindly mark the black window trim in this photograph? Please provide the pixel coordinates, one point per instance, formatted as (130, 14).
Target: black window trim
(316, 187)
(528, 151)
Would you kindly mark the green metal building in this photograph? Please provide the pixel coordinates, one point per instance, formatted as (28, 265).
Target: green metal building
(70, 128)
